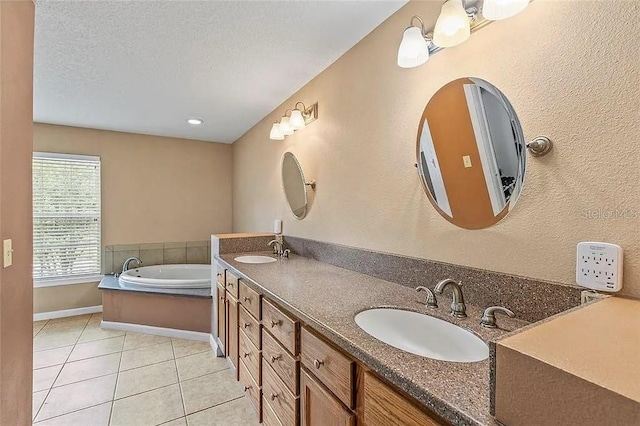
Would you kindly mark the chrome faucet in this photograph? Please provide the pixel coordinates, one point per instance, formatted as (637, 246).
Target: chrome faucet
(277, 246)
(431, 301)
(489, 317)
(458, 308)
(125, 265)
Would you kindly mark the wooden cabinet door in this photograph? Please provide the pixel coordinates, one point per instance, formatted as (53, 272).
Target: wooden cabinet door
(232, 331)
(319, 407)
(222, 318)
(385, 406)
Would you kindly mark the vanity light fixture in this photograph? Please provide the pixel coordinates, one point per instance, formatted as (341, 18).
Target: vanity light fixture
(276, 134)
(414, 47)
(453, 26)
(457, 19)
(495, 10)
(195, 121)
(297, 119)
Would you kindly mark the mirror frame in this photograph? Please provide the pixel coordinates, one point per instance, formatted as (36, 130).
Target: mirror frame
(304, 185)
(522, 166)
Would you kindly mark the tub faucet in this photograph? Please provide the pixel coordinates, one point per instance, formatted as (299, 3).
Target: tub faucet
(125, 265)
(458, 308)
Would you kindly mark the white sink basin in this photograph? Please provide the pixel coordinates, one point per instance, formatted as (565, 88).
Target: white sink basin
(255, 259)
(423, 335)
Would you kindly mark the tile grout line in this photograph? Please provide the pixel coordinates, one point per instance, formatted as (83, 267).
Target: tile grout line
(44, 401)
(115, 388)
(218, 404)
(184, 407)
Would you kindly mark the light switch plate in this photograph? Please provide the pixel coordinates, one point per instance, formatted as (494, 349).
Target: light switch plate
(7, 253)
(599, 266)
(467, 161)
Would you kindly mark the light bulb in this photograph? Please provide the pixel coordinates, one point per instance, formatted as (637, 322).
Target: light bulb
(296, 121)
(276, 134)
(413, 50)
(495, 10)
(453, 26)
(285, 127)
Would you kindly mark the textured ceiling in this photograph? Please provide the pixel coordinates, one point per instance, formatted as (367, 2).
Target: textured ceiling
(144, 67)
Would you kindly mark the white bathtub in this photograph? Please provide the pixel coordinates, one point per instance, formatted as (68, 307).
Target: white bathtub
(169, 276)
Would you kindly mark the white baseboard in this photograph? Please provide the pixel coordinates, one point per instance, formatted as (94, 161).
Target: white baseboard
(157, 331)
(214, 344)
(67, 313)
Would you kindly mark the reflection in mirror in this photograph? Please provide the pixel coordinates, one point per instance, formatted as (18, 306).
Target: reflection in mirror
(471, 153)
(294, 185)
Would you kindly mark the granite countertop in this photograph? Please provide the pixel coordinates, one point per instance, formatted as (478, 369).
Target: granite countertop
(111, 282)
(327, 298)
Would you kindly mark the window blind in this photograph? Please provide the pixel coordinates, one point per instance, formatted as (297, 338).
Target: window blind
(66, 216)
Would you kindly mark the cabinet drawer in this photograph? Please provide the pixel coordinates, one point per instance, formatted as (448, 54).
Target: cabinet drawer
(251, 388)
(251, 357)
(232, 284)
(283, 402)
(269, 417)
(281, 326)
(250, 326)
(220, 276)
(285, 365)
(334, 369)
(250, 299)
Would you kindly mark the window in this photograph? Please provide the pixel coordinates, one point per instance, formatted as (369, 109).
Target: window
(66, 219)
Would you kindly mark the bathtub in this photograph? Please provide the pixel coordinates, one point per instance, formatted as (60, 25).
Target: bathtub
(169, 276)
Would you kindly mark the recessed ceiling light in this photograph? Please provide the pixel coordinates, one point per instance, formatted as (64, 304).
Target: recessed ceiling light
(195, 121)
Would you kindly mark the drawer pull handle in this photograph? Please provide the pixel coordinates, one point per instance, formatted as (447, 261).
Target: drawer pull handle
(318, 363)
(246, 325)
(246, 354)
(275, 358)
(221, 297)
(246, 388)
(273, 396)
(274, 323)
(245, 299)
(230, 285)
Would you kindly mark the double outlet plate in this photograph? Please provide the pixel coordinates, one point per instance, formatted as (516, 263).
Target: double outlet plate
(599, 266)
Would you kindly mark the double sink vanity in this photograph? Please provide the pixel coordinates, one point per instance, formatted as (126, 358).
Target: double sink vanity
(317, 344)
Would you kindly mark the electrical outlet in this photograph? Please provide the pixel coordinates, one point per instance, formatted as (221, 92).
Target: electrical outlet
(7, 253)
(466, 160)
(599, 266)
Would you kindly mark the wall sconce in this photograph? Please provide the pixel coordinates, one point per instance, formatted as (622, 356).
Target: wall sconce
(297, 119)
(454, 25)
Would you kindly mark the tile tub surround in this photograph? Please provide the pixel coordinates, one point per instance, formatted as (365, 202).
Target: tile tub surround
(110, 377)
(327, 298)
(156, 254)
(531, 300)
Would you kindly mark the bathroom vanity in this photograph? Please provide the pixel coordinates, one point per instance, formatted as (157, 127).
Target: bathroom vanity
(288, 329)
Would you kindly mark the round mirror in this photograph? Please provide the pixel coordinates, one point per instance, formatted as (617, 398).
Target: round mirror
(471, 153)
(294, 185)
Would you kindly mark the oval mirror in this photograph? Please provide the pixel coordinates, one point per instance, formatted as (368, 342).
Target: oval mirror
(471, 153)
(294, 185)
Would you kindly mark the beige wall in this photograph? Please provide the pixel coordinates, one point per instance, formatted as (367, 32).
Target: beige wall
(570, 71)
(154, 190)
(16, 137)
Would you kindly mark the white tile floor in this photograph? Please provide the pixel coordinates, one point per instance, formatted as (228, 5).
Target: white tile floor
(87, 376)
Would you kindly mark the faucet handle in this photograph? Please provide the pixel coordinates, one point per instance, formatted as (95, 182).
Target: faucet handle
(488, 319)
(285, 253)
(431, 301)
